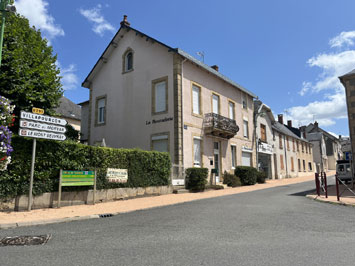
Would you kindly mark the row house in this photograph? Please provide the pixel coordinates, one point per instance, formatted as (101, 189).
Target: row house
(280, 152)
(146, 94)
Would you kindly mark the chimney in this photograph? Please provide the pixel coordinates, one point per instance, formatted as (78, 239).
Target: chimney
(280, 118)
(215, 67)
(124, 22)
(289, 123)
(316, 124)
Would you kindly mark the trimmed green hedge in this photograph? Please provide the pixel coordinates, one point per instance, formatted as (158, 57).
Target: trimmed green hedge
(196, 179)
(261, 177)
(145, 168)
(247, 175)
(231, 180)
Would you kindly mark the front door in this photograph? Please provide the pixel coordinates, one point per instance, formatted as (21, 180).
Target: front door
(216, 160)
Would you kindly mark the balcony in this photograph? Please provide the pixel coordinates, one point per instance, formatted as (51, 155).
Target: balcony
(219, 126)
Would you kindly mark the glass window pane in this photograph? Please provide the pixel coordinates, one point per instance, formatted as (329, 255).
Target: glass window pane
(231, 110)
(215, 104)
(196, 100)
(197, 152)
(160, 97)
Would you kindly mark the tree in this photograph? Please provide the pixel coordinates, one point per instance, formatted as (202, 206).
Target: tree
(29, 76)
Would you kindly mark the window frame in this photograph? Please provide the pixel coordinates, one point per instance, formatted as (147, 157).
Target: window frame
(97, 99)
(246, 128)
(282, 165)
(219, 102)
(199, 87)
(159, 135)
(235, 156)
(280, 141)
(292, 165)
(244, 100)
(233, 110)
(263, 128)
(199, 138)
(154, 83)
(124, 60)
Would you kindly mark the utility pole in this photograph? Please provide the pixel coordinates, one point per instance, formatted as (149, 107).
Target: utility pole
(5, 7)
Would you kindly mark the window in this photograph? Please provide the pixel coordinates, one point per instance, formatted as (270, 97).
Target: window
(302, 147)
(306, 146)
(310, 166)
(197, 152)
(292, 165)
(287, 143)
(160, 142)
(196, 100)
(245, 129)
(263, 132)
(100, 114)
(310, 149)
(299, 165)
(246, 159)
(244, 101)
(282, 162)
(215, 104)
(280, 141)
(234, 155)
(304, 165)
(293, 145)
(298, 146)
(160, 95)
(127, 61)
(231, 108)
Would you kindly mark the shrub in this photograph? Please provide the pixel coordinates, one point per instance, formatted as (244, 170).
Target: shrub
(247, 175)
(196, 179)
(215, 187)
(145, 168)
(231, 180)
(261, 177)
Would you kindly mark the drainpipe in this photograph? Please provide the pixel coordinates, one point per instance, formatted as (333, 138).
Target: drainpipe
(182, 114)
(285, 148)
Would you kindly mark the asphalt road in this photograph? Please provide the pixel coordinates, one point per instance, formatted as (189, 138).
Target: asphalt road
(276, 226)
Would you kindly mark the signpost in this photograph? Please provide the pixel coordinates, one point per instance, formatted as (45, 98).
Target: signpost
(76, 178)
(38, 126)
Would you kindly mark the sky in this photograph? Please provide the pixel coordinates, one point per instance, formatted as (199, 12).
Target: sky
(289, 53)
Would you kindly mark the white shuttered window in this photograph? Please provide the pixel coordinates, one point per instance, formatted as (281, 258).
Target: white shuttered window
(196, 100)
(160, 97)
(197, 152)
(215, 104)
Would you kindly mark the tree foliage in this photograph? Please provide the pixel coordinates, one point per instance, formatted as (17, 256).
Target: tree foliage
(29, 76)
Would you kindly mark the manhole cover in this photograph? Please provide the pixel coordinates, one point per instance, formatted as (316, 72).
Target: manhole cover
(24, 240)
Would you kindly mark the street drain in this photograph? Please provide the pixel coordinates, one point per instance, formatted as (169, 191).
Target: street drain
(105, 215)
(24, 240)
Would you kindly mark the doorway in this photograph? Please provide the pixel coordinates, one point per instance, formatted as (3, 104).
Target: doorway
(217, 161)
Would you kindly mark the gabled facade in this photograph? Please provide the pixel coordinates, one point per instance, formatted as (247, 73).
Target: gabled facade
(148, 95)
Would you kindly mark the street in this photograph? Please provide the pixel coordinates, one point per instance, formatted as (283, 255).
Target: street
(276, 226)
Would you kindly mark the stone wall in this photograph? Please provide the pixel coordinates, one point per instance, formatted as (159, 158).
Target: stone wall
(50, 200)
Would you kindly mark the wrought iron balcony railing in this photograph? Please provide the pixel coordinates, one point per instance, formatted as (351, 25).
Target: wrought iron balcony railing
(220, 126)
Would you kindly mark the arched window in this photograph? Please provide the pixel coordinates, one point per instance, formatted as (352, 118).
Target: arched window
(128, 60)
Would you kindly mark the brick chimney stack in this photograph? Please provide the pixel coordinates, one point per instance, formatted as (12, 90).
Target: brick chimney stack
(316, 124)
(124, 22)
(215, 67)
(289, 123)
(280, 118)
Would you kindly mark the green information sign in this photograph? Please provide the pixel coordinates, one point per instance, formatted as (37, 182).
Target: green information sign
(76, 178)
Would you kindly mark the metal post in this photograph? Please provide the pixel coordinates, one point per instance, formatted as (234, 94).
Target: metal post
(325, 185)
(94, 196)
(32, 171)
(337, 186)
(60, 188)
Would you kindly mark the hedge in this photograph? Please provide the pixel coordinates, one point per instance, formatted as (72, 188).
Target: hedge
(145, 168)
(261, 177)
(196, 179)
(247, 175)
(231, 180)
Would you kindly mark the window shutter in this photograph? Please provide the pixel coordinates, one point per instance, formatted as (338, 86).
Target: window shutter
(215, 104)
(160, 97)
(231, 111)
(196, 100)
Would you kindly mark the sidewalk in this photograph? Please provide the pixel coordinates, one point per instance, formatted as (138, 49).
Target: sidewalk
(81, 212)
(346, 197)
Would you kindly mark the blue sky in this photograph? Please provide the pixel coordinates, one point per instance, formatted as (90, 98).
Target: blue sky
(289, 53)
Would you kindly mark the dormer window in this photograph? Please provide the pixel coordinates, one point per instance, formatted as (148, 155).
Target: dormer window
(128, 61)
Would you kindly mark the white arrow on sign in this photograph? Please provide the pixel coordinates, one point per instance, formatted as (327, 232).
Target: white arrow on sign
(40, 134)
(41, 126)
(43, 118)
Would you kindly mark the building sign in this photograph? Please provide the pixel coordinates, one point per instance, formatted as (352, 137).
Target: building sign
(247, 149)
(37, 111)
(42, 126)
(265, 148)
(43, 118)
(24, 132)
(156, 121)
(117, 175)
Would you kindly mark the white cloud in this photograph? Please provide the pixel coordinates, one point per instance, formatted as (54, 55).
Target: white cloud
(69, 79)
(37, 13)
(100, 25)
(344, 38)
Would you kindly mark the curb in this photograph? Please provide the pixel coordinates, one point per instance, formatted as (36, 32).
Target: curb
(313, 197)
(62, 220)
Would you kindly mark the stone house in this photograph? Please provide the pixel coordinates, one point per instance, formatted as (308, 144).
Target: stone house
(146, 94)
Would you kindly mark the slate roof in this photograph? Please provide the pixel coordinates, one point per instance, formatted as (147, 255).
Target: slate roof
(315, 136)
(68, 109)
(284, 130)
(114, 43)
